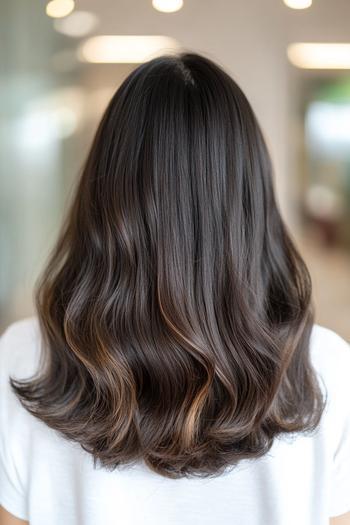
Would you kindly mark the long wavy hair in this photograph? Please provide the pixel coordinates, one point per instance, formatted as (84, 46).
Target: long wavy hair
(175, 310)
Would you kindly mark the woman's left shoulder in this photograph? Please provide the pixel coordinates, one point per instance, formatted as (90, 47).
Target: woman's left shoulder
(19, 344)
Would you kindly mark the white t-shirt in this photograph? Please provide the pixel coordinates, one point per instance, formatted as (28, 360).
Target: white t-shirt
(46, 479)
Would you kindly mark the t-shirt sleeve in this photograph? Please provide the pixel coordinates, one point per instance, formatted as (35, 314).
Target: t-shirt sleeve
(340, 478)
(12, 496)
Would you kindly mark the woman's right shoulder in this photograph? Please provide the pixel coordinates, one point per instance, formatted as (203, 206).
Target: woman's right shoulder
(331, 358)
(330, 355)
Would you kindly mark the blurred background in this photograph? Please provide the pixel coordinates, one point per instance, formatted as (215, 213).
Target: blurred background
(61, 61)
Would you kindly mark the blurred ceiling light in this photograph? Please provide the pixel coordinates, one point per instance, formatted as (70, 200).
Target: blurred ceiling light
(77, 24)
(319, 56)
(167, 6)
(298, 4)
(127, 49)
(59, 8)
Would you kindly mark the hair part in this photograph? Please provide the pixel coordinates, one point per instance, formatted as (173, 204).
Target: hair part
(175, 309)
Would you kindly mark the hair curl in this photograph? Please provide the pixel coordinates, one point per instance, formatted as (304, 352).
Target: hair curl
(175, 309)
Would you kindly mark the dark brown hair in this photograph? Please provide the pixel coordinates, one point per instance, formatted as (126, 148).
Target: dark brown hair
(175, 309)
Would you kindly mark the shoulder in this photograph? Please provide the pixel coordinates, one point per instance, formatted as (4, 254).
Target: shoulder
(19, 359)
(330, 357)
(328, 340)
(330, 354)
(19, 353)
(19, 347)
(21, 329)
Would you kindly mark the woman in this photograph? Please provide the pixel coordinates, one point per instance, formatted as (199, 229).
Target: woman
(181, 378)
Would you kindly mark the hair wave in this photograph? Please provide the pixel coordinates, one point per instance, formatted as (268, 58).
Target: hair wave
(175, 309)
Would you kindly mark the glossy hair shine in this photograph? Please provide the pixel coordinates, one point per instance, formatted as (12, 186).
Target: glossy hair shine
(175, 310)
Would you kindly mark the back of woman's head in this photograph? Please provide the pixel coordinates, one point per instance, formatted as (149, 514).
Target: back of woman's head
(175, 310)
